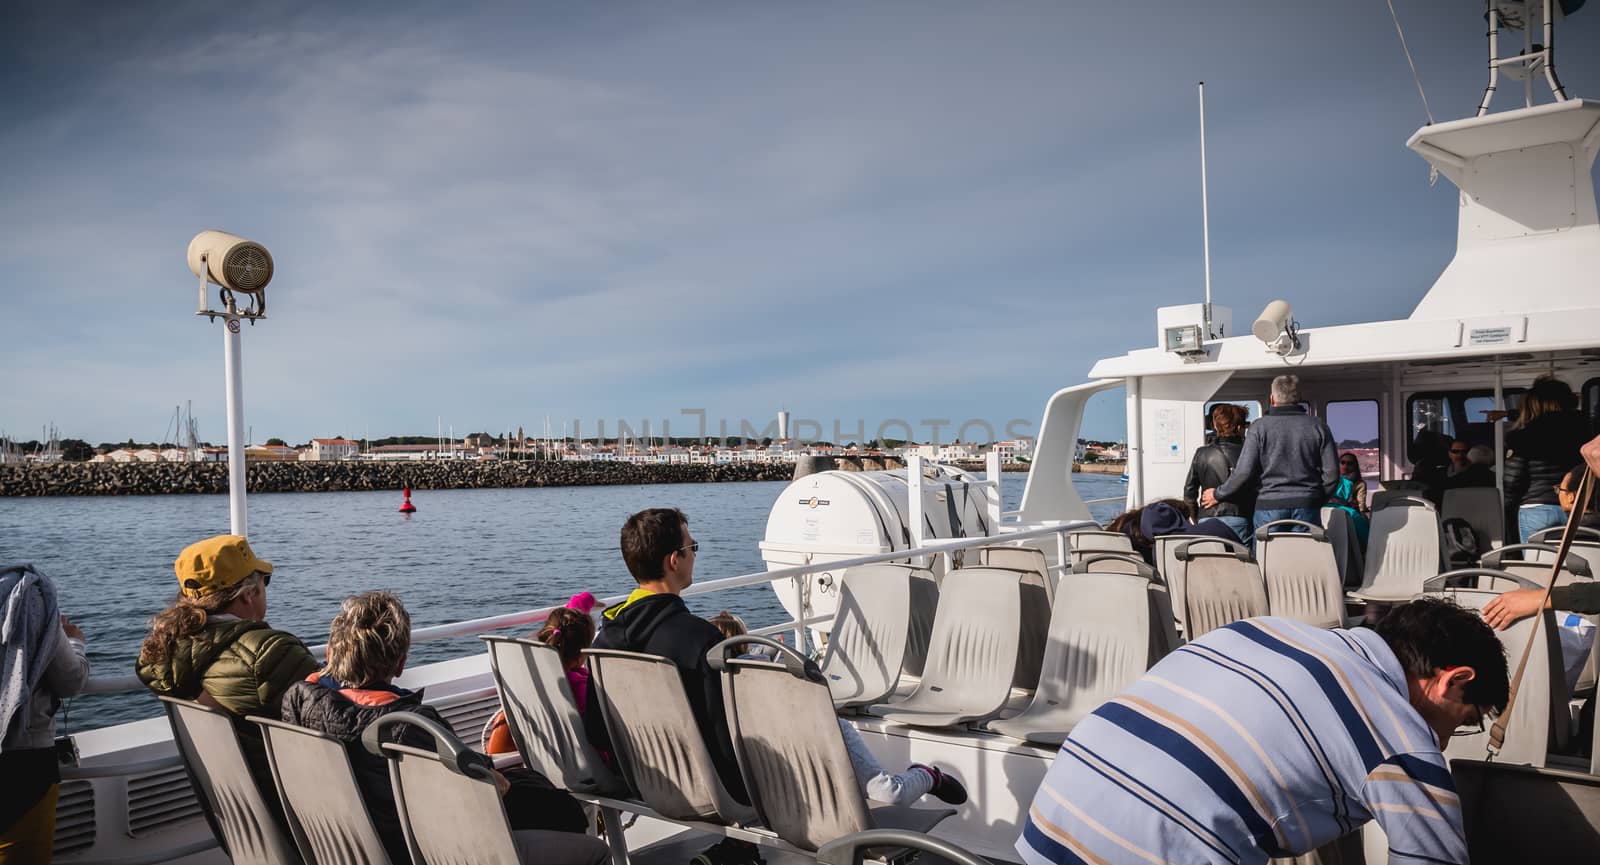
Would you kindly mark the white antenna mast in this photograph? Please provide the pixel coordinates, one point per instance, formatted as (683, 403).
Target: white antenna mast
(1205, 209)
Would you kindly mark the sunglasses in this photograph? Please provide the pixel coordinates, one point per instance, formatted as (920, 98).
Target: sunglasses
(1485, 716)
(266, 579)
(693, 548)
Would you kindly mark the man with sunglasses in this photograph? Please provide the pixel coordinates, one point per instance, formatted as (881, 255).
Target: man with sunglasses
(660, 553)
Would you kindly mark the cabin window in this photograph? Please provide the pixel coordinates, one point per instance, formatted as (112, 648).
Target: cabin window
(1355, 428)
(1439, 417)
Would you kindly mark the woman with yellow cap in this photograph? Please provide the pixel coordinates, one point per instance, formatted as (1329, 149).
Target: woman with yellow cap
(213, 644)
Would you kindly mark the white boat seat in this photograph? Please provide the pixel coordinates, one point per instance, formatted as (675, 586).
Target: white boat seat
(791, 753)
(1301, 571)
(868, 641)
(1481, 507)
(1020, 559)
(1347, 551)
(1089, 541)
(1386, 497)
(249, 826)
(327, 816)
(656, 740)
(972, 654)
(1102, 639)
(543, 717)
(1115, 563)
(446, 797)
(1539, 720)
(1536, 561)
(1402, 550)
(1582, 547)
(1172, 573)
(1222, 585)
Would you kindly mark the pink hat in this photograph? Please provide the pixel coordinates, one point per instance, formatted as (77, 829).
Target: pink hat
(583, 602)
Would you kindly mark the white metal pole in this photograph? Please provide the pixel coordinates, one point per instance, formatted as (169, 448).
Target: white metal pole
(1135, 443)
(1500, 432)
(1205, 207)
(992, 472)
(238, 516)
(914, 494)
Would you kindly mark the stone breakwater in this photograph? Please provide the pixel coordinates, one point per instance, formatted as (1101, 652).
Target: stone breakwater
(144, 479)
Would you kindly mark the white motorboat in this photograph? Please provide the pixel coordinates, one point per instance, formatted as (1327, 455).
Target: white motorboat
(1520, 299)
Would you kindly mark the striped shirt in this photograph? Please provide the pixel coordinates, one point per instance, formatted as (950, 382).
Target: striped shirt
(1262, 739)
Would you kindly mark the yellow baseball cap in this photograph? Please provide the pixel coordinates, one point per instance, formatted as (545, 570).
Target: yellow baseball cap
(215, 564)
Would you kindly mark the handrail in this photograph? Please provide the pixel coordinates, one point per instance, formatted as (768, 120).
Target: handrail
(473, 627)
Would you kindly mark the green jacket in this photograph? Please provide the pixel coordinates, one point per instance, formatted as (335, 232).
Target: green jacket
(245, 666)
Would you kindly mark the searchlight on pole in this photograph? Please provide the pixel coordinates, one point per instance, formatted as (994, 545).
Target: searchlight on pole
(240, 268)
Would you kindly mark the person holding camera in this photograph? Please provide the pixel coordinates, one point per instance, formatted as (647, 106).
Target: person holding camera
(42, 661)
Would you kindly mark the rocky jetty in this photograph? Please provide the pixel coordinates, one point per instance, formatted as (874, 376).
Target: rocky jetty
(145, 479)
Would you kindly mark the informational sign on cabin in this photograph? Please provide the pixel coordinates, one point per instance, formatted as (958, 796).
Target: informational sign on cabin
(1166, 445)
(1489, 336)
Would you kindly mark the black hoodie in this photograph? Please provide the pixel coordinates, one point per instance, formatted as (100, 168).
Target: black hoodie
(661, 624)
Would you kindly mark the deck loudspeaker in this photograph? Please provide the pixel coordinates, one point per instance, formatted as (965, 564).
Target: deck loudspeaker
(230, 261)
(1276, 327)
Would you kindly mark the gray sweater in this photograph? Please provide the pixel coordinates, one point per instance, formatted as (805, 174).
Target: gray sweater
(1289, 458)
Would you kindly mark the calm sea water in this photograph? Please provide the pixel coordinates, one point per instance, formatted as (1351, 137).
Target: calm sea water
(464, 554)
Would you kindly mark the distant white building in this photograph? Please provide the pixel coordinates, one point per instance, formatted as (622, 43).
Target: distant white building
(959, 453)
(330, 450)
(1011, 451)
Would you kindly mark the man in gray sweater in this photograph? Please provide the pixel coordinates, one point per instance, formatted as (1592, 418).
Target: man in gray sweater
(1288, 458)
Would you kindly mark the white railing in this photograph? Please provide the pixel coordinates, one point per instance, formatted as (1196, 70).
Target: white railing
(525, 618)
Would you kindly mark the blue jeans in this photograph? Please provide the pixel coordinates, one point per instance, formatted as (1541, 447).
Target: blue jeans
(1537, 518)
(1267, 515)
(1241, 527)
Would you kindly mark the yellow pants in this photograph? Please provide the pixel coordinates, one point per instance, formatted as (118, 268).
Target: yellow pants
(30, 840)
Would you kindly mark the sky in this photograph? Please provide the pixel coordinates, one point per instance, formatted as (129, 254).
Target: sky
(493, 214)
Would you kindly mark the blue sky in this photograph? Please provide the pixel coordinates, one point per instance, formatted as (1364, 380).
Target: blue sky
(499, 213)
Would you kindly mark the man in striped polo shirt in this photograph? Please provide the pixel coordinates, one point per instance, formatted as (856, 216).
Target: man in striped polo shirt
(1270, 738)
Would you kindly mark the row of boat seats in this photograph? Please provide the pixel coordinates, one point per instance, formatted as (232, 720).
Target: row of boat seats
(446, 799)
(782, 724)
(1101, 631)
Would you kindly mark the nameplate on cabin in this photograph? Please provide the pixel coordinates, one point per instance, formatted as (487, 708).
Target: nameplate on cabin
(1489, 336)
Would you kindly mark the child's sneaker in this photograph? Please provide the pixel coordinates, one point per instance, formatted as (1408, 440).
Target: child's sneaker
(945, 786)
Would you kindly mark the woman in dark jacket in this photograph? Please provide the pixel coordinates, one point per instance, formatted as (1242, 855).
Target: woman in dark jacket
(1212, 465)
(367, 647)
(1539, 450)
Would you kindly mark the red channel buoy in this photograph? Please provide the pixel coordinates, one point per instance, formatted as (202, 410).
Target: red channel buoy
(406, 507)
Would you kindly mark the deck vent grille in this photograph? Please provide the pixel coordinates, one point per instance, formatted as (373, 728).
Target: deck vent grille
(160, 799)
(74, 818)
(467, 713)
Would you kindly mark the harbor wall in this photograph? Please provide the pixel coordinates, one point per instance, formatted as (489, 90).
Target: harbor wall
(1101, 468)
(141, 479)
